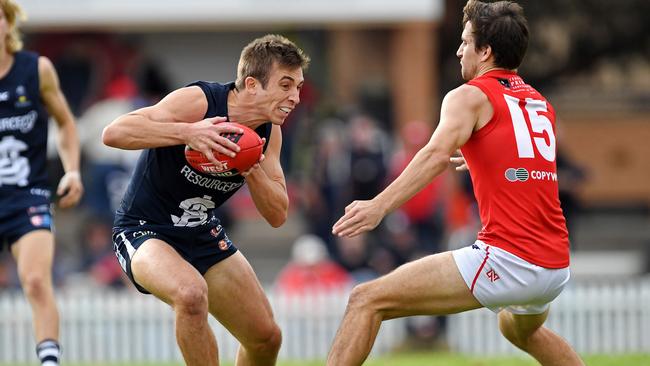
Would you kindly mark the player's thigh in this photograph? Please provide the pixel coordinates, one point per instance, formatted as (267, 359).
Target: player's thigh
(430, 285)
(237, 299)
(159, 269)
(34, 253)
(520, 326)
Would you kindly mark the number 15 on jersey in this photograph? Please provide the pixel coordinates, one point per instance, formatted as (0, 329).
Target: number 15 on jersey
(539, 124)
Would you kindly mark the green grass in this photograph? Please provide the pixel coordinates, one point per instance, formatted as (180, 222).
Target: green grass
(446, 359)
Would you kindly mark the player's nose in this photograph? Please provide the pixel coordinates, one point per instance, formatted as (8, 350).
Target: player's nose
(295, 96)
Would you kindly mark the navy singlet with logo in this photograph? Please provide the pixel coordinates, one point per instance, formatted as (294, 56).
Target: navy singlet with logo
(23, 136)
(165, 190)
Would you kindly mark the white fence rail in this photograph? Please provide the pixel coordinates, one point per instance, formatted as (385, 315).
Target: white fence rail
(126, 326)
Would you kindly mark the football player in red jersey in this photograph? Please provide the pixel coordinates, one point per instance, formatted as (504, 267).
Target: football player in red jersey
(519, 263)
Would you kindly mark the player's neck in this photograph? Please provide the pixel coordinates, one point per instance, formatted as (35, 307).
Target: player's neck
(244, 111)
(484, 69)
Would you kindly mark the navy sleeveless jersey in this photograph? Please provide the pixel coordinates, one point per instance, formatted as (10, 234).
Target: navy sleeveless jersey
(166, 190)
(23, 136)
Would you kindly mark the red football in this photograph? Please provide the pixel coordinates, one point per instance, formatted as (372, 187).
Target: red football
(251, 147)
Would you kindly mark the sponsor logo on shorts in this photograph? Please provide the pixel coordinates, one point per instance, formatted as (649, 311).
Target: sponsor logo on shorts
(140, 233)
(38, 209)
(492, 275)
(522, 175)
(40, 220)
(215, 231)
(224, 244)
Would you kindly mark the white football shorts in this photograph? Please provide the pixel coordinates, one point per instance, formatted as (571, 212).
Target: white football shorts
(500, 280)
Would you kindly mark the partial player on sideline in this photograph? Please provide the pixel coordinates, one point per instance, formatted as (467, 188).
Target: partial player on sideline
(167, 236)
(29, 94)
(520, 262)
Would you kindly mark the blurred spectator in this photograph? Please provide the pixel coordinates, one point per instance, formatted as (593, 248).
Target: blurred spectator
(322, 191)
(369, 149)
(98, 259)
(311, 270)
(354, 255)
(423, 210)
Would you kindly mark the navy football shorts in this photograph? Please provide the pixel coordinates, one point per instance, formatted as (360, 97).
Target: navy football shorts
(202, 247)
(16, 223)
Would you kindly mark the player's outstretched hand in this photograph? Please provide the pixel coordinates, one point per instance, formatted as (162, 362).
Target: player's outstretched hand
(360, 216)
(205, 136)
(70, 189)
(460, 162)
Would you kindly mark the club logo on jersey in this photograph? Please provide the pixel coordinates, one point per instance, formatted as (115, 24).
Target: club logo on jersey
(195, 212)
(492, 275)
(518, 174)
(504, 82)
(14, 168)
(21, 100)
(4, 96)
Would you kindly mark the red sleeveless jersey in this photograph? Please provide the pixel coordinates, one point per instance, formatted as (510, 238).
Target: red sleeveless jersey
(512, 164)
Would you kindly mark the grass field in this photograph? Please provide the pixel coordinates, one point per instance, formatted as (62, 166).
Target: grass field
(444, 359)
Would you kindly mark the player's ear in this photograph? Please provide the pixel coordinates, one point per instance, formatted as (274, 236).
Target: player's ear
(486, 52)
(250, 83)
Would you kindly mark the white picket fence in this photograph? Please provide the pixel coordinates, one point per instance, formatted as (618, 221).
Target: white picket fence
(127, 326)
(105, 326)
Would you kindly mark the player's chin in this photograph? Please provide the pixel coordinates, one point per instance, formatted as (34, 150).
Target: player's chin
(279, 119)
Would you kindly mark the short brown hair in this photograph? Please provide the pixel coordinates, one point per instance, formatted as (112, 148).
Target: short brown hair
(258, 57)
(13, 13)
(502, 26)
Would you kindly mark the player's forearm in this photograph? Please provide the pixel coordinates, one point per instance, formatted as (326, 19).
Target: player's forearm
(134, 132)
(68, 147)
(427, 164)
(270, 197)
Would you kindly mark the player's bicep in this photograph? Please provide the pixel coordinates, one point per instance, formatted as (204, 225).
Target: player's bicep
(187, 104)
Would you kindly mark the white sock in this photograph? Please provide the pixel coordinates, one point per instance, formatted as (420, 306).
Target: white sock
(48, 351)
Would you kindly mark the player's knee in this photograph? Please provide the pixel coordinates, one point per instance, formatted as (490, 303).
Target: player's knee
(268, 343)
(192, 300)
(507, 328)
(360, 298)
(35, 285)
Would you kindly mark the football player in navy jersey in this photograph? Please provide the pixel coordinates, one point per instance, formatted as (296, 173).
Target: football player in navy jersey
(167, 236)
(29, 93)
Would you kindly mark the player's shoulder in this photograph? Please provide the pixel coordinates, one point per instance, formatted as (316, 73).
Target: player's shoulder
(466, 94)
(45, 65)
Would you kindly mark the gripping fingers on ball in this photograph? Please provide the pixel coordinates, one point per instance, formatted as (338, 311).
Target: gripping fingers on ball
(208, 154)
(226, 147)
